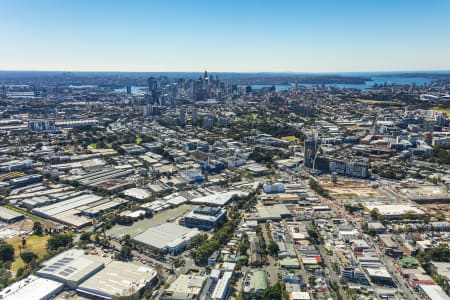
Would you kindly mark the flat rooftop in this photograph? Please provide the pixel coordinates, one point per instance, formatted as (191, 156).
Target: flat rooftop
(276, 211)
(187, 284)
(219, 199)
(70, 266)
(393, 209)
(118, 279)
(165, 234)
(32, 287)
(7, 214)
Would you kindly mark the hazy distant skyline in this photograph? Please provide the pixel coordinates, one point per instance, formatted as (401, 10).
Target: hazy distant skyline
(225, 36)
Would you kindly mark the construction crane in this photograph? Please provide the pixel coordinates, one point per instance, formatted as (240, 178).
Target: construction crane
(316, 147)
(315, 157)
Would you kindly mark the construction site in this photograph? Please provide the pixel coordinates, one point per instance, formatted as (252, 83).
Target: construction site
(345, 188)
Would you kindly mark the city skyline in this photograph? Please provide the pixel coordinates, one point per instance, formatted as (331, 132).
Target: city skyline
(254, 36)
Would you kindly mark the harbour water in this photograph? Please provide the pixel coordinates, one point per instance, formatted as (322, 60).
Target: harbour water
(375, 80)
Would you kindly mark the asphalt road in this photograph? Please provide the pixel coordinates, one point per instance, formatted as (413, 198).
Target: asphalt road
(332, 274)
(407, 293)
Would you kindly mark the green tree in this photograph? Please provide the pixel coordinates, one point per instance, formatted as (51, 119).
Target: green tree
(20, 272)
(125, 253)
(314, 235)
(59, 240)
(273, 248)
(6, 251)
(37, 228)
(85, 237)
(28, 257)
(275, 292)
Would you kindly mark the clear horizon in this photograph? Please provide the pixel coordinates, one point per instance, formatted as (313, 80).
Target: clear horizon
(228, 36)
(246, 72)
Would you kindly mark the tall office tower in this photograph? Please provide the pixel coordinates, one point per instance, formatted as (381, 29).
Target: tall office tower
(129, 89)
(234, 89)
(153, 89)
(182, 116)
(148, 110)
(208, 122)
(41, 125)
(151, 110)
(310, 152)
(152, 84)
(199, 91)
(194, 116)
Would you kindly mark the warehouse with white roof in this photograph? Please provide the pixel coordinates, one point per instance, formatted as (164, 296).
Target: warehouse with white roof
(167, 237)
(71, 267)
(118, 279)
(32, 287)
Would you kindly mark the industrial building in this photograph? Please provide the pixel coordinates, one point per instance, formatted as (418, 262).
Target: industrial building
(15, 165)
(255, 282)
(185, 287)
(137, 194)
(71, 267)
(118, 280)
(218, 199)
(273, 212)
(205, 218)
(32, 287)
(393, 211)
(9, 216)
(76, 210)
(167, 237)
(433, 292)
(25, 180)
(96, 178)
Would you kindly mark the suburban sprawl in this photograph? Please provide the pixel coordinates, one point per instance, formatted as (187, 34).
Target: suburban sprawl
(224, 186)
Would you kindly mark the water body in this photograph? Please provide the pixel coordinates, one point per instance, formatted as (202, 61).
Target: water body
(86, 86)
(380, 80)
(134, 89)
(278, 87)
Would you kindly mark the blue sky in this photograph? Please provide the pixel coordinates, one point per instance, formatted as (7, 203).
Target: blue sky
(225, 35)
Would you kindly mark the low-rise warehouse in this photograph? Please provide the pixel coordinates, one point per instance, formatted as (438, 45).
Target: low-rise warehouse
(71, 267)
(9, 216)
(118, 280)
(185, 287)
(167, 237)
(218, 199)
(32, 287)
(76, 210)
(137, 194)
(274, 212)
(393, 211)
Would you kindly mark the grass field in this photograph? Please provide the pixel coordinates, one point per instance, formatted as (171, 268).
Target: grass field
(369, 101)
(445, 110)
(138, 140)
(36, 244)
(253, 116)
(290, 138)
(93, 146)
